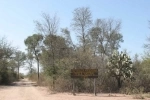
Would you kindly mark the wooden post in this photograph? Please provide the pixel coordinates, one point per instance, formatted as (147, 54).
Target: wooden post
(73, 88)
(94, 87)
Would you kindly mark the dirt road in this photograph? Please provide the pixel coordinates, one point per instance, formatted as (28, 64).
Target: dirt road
(26, 90)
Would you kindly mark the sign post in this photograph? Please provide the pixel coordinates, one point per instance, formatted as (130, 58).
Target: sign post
(73, 87)
(94, 87)
(84, 73)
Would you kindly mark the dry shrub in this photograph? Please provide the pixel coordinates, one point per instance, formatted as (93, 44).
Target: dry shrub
(42, 80)
(129, 90)
(33, 77)
(138, 96)
(147, 95)
(63, 85)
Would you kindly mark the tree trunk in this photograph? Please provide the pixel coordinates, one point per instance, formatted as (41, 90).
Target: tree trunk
(38, 69)
(53, 70)
(119, 82)
(18, 72)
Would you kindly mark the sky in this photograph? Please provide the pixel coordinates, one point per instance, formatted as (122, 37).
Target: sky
(17, 18)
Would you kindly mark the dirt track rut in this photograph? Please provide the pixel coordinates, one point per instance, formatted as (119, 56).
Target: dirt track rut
(27, 90)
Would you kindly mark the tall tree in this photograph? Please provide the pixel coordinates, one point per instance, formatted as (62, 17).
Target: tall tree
(48, 26)
(105, 36)
(34, 44)
(82, 20)
(29, 61)
(120, 67)
(53, 51)
(20, 58)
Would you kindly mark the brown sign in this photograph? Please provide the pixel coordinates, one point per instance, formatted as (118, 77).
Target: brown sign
(84, 73)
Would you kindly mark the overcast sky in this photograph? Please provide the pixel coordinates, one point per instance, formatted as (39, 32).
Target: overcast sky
(17, 16)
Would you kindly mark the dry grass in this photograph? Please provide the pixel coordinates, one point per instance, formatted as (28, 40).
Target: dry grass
(138, 96)
(147, 95)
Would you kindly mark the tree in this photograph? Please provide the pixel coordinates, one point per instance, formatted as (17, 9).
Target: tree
(120, 67)
(81, 23)
(144, 73)
(7, 65)
(67, 37)
(54, 46)
(34, 44)
(30, 61)
(105, 36)
(145, 69)
(20, 57)
(48, 26)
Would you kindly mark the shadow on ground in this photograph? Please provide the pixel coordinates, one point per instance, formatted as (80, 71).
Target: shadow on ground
(20, 83)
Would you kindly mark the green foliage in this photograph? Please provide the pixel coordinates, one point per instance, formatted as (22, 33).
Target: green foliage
(55, 49)
(7, 65)
(33, 42)
(120, 67)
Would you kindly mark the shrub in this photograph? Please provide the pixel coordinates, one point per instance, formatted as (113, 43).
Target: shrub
(139, 96)
(129, 90)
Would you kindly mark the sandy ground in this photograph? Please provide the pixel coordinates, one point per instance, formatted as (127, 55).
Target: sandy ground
(26, 90)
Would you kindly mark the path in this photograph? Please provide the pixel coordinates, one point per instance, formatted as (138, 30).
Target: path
(26, 90)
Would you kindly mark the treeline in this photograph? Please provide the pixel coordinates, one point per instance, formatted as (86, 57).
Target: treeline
(10, 61)
(97, 47)
(55, 53)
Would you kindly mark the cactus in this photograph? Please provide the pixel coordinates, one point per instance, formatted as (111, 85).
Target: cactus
(120, 67)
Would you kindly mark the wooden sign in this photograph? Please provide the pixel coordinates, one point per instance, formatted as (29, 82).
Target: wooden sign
(84, 73)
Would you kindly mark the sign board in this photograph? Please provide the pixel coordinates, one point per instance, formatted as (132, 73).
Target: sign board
(84, 73)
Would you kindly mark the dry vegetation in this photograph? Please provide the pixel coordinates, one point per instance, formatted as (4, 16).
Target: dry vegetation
(57, 54)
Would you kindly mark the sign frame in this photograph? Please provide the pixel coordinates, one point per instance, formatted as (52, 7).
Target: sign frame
(84, 73)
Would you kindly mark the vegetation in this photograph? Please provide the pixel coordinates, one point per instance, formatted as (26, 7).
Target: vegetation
(33, 43)
(120, 67)
(7, 62)
(56, 54)
(97, 47)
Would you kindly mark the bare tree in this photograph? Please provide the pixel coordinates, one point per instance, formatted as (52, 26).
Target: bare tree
(82, 19)
(105, 36)
(49, 25)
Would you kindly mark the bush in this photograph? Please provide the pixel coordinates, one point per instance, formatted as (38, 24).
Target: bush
(7, 77)
(129, 90)
(147, 95)
(63, 85)
(138, 96)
